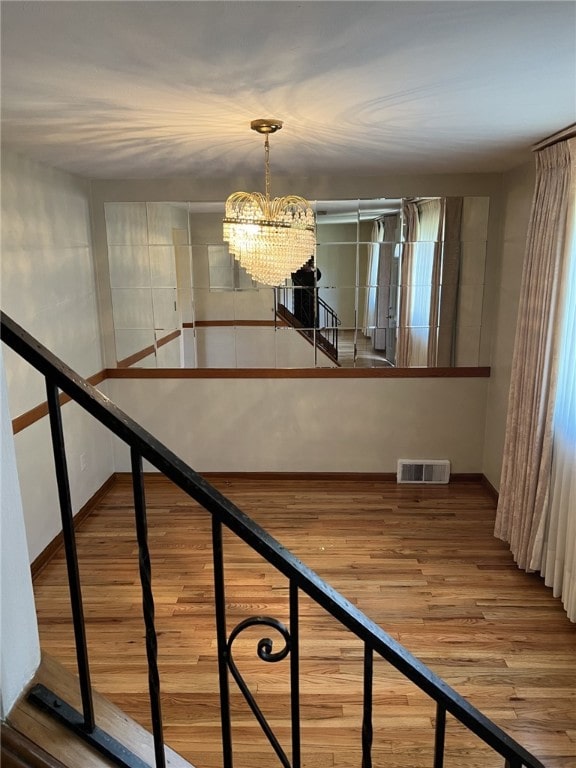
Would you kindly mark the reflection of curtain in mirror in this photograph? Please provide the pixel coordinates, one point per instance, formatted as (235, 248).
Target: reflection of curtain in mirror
(383, 301)
(381, 251)
(410, 235)
(445, 283)
(421, 258)
(372, 277)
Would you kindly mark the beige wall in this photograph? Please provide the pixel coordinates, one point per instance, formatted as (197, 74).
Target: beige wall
(19, 644)
(517, 192)
(48, 287)
(309, 425)
(48, 281)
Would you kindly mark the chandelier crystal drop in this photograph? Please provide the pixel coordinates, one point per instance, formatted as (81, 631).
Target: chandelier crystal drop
(271, 238)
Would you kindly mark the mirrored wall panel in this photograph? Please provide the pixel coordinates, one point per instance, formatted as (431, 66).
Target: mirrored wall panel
(394, 283)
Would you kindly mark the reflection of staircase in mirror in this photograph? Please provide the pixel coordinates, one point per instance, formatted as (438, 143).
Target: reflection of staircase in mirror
(315, 336)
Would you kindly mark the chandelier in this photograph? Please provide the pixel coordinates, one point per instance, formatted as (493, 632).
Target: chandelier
(270, 238)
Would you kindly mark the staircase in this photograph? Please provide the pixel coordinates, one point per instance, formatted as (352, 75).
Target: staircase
(321, 328)
(315, 336)
(35, 735)
(70, 713)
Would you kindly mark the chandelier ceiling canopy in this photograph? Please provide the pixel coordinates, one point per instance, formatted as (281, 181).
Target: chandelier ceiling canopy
(271, 238)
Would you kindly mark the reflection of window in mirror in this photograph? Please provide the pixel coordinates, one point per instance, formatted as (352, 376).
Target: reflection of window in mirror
(224, 271)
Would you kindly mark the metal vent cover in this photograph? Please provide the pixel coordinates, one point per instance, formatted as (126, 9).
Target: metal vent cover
(423, 471)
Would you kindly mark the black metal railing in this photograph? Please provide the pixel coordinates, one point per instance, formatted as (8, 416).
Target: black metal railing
(328, 323)
(301, 579)
(318, 323)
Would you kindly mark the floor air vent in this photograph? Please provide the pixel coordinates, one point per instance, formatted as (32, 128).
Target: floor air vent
(423, 471)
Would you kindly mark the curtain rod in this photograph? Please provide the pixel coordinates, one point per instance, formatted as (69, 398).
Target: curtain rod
(566, 133)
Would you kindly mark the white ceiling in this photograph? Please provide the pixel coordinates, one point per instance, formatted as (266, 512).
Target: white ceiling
(159, 89)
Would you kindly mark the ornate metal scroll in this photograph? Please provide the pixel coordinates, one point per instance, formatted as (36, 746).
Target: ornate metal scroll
(265, 652)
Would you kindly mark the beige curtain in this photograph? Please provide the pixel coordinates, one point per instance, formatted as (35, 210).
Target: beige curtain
(526, 471)
(555, 545)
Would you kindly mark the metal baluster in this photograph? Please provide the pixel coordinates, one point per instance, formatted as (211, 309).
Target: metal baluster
(367, 717)
(71, 554)
(220, 607)
(439, 735)
(335, 332)
(513, 762)
(148, 607)
(295, 675)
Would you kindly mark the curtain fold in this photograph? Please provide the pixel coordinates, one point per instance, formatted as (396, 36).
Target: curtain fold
(372, 277)
(380, 336)
(403, 340)
(447, 284)
(437, 220)
(555, 545)
(526, 479)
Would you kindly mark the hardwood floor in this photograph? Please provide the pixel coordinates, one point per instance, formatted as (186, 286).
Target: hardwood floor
(419, 560)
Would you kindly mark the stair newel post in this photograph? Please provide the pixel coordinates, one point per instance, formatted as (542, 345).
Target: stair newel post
(148, 607)
(221, 637)
(71, 554)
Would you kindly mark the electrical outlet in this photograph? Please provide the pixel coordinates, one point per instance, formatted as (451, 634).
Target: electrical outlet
(82, 462)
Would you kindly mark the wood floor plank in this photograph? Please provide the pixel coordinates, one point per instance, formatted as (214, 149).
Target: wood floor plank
(421, 561)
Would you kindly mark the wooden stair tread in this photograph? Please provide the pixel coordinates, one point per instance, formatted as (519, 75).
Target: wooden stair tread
(61, 744)
(18, 751)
